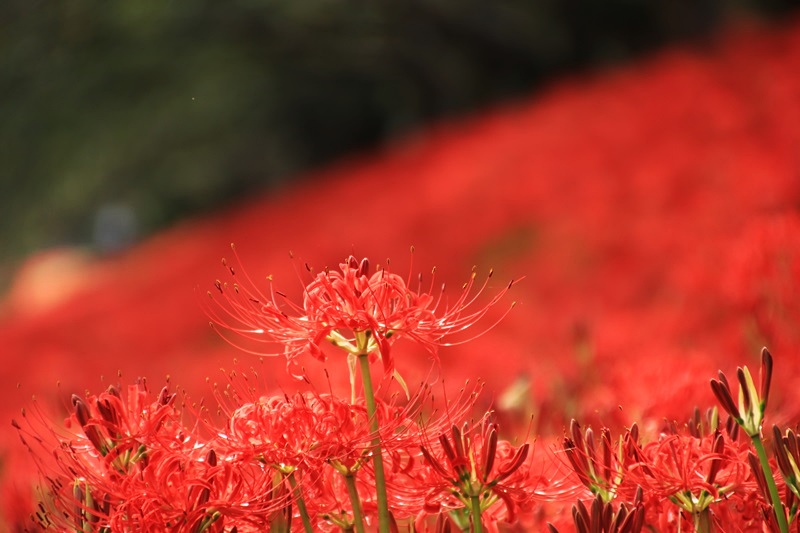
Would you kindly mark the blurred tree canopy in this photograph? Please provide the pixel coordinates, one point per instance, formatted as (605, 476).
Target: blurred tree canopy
(119, 117)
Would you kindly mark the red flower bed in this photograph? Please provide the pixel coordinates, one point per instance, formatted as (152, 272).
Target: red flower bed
(652, 210)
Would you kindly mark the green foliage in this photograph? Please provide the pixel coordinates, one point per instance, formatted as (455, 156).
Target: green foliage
(170, 107)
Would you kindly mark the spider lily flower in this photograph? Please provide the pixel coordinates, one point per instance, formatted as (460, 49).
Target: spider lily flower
(309, 428)
(749, 413)
(310, 439)
(114, 441)
(357, 311)
(787, 454)
(602, 516)
(118, 428)
(477, 469)
(303, 431)
(196, 490)
(600, 472)
(133, 465)
(693, 473)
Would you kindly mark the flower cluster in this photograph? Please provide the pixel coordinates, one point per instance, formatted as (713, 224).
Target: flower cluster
(133, 465)
(127, 460)
(302, 459)
(310, 459)
(624, 306)
(701, 476)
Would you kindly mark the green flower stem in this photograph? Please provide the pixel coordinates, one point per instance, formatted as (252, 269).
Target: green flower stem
(301, 504)
(350, 480)
(475, 503)
(461, 518)
(380, 477)
(777, 505)
(702, 522)
(210, 518)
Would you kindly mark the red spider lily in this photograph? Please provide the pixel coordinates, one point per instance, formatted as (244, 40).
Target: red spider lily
(117, 434)
(786, 448)
(749, 413)
(302, 438)
(197, 491)
(602, 517)
(607, 467)
(310, 427)
(121, 429)
(309, 433)
(302, 431)
(600, 472)
(693, 473)
(359, 312)
(704, 193)
(135, 466)
(475, 468)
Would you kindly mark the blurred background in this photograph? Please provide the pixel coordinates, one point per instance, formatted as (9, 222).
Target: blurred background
(120, 118)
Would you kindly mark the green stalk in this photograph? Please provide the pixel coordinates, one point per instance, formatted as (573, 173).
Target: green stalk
(209, 519)
(702, 522)
(377, 457)
(461, 518)
(477, 526)
(350, 479)
(301, 504)
(777, 505)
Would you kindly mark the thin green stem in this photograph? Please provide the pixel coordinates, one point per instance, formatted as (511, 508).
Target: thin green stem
(461, 518)
(301, 504)
(211, 517)
(350, 480)
(475, 503)
(377, 457)
(777, 505)
(702, 522)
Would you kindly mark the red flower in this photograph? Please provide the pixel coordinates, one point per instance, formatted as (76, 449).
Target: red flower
(303, 431)
(476, 468)
(598, 470)
(359, 312)
(134, 465)
(694, 473)
(195, 490)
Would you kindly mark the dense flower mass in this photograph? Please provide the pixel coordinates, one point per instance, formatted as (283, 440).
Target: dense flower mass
(653, 210)
(142, 465)
(135, 462)
(379, 461)
(135, 466)
(302, 431)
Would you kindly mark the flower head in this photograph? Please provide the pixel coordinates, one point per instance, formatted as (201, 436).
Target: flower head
(302, 431)
(359, 311)
(787, 454)
(601, 516)
(473, 467)
(599, 471)
(749, 413)
(693, 473)
(132, 464)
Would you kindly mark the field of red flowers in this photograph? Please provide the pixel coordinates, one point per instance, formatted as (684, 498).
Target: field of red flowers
(652, 212)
